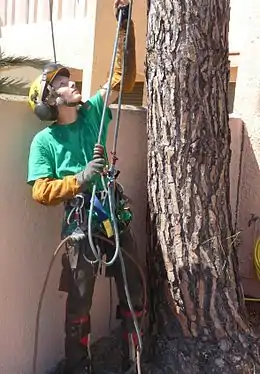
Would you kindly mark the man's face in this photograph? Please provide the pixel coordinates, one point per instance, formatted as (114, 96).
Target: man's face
(66, 89)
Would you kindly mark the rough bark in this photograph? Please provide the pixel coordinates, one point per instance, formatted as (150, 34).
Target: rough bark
(195, 297)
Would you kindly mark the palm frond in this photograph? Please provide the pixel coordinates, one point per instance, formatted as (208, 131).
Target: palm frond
(12, 86)
(13, 61)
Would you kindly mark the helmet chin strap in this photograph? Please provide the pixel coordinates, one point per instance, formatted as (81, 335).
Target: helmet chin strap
(60, 101)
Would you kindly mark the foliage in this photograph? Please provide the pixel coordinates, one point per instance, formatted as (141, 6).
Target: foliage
(16, 86)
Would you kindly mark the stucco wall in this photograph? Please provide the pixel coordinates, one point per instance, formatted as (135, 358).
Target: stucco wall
(245, 201)
(105, 31)
(30, 233)
(236, 32)
(246, 107)
(249, 203)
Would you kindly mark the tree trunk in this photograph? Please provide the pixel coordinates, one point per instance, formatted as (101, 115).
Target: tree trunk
(197, 311)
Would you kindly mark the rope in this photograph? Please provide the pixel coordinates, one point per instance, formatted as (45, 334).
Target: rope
(45, 283)
(257, 258)
(117, 125)
(91, 209)
(111, 192)
(52, 30)
(257, 249)
(138, 329)
(141, 272)
(37, 324)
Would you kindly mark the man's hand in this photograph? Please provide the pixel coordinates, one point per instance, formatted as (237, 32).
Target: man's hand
(94, 167)
(131, 59)
(119, 4)
(98, 151)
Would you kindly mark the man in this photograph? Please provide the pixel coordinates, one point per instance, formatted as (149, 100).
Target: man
(63, 166)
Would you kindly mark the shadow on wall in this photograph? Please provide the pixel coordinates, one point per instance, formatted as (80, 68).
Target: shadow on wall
(249, 203)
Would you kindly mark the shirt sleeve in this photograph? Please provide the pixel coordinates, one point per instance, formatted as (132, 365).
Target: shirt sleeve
(39, 163)
(97, 105)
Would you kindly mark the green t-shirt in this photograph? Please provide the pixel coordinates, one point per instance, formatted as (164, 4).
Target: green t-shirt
(61, 150)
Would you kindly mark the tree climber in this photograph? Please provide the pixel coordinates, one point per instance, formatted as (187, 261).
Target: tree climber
(64, 163)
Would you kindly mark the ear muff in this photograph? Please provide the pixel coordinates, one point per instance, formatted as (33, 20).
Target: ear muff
(46, 112)
(37, 102)
(41, 109)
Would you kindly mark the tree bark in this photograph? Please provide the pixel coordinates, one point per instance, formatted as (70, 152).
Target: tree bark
(195, 293)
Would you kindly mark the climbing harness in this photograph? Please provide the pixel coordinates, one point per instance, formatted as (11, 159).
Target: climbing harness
(97, 211)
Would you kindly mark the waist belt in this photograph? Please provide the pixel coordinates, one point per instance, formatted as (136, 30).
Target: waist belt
(85, 196)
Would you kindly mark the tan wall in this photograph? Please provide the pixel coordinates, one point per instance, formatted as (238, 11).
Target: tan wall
(104, 40)
(30, 233)
(84, 36)
(248, 176)
(249, 203)
(236, 32)
(105, 34)
(246, 107)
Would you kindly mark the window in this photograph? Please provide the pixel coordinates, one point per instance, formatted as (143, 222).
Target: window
(231, 96)
(135, 97)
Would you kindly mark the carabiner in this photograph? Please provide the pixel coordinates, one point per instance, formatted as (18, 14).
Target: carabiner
(78, 205)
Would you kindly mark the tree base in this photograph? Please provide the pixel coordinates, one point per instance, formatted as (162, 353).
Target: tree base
(238, 354)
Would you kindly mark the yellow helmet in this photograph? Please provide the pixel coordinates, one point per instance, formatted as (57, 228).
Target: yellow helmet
(40, 91)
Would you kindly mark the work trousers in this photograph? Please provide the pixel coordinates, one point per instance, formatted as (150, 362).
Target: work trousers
(79, 284)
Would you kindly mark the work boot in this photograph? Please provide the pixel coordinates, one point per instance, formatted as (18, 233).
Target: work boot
(77, 346)
(83, 367)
